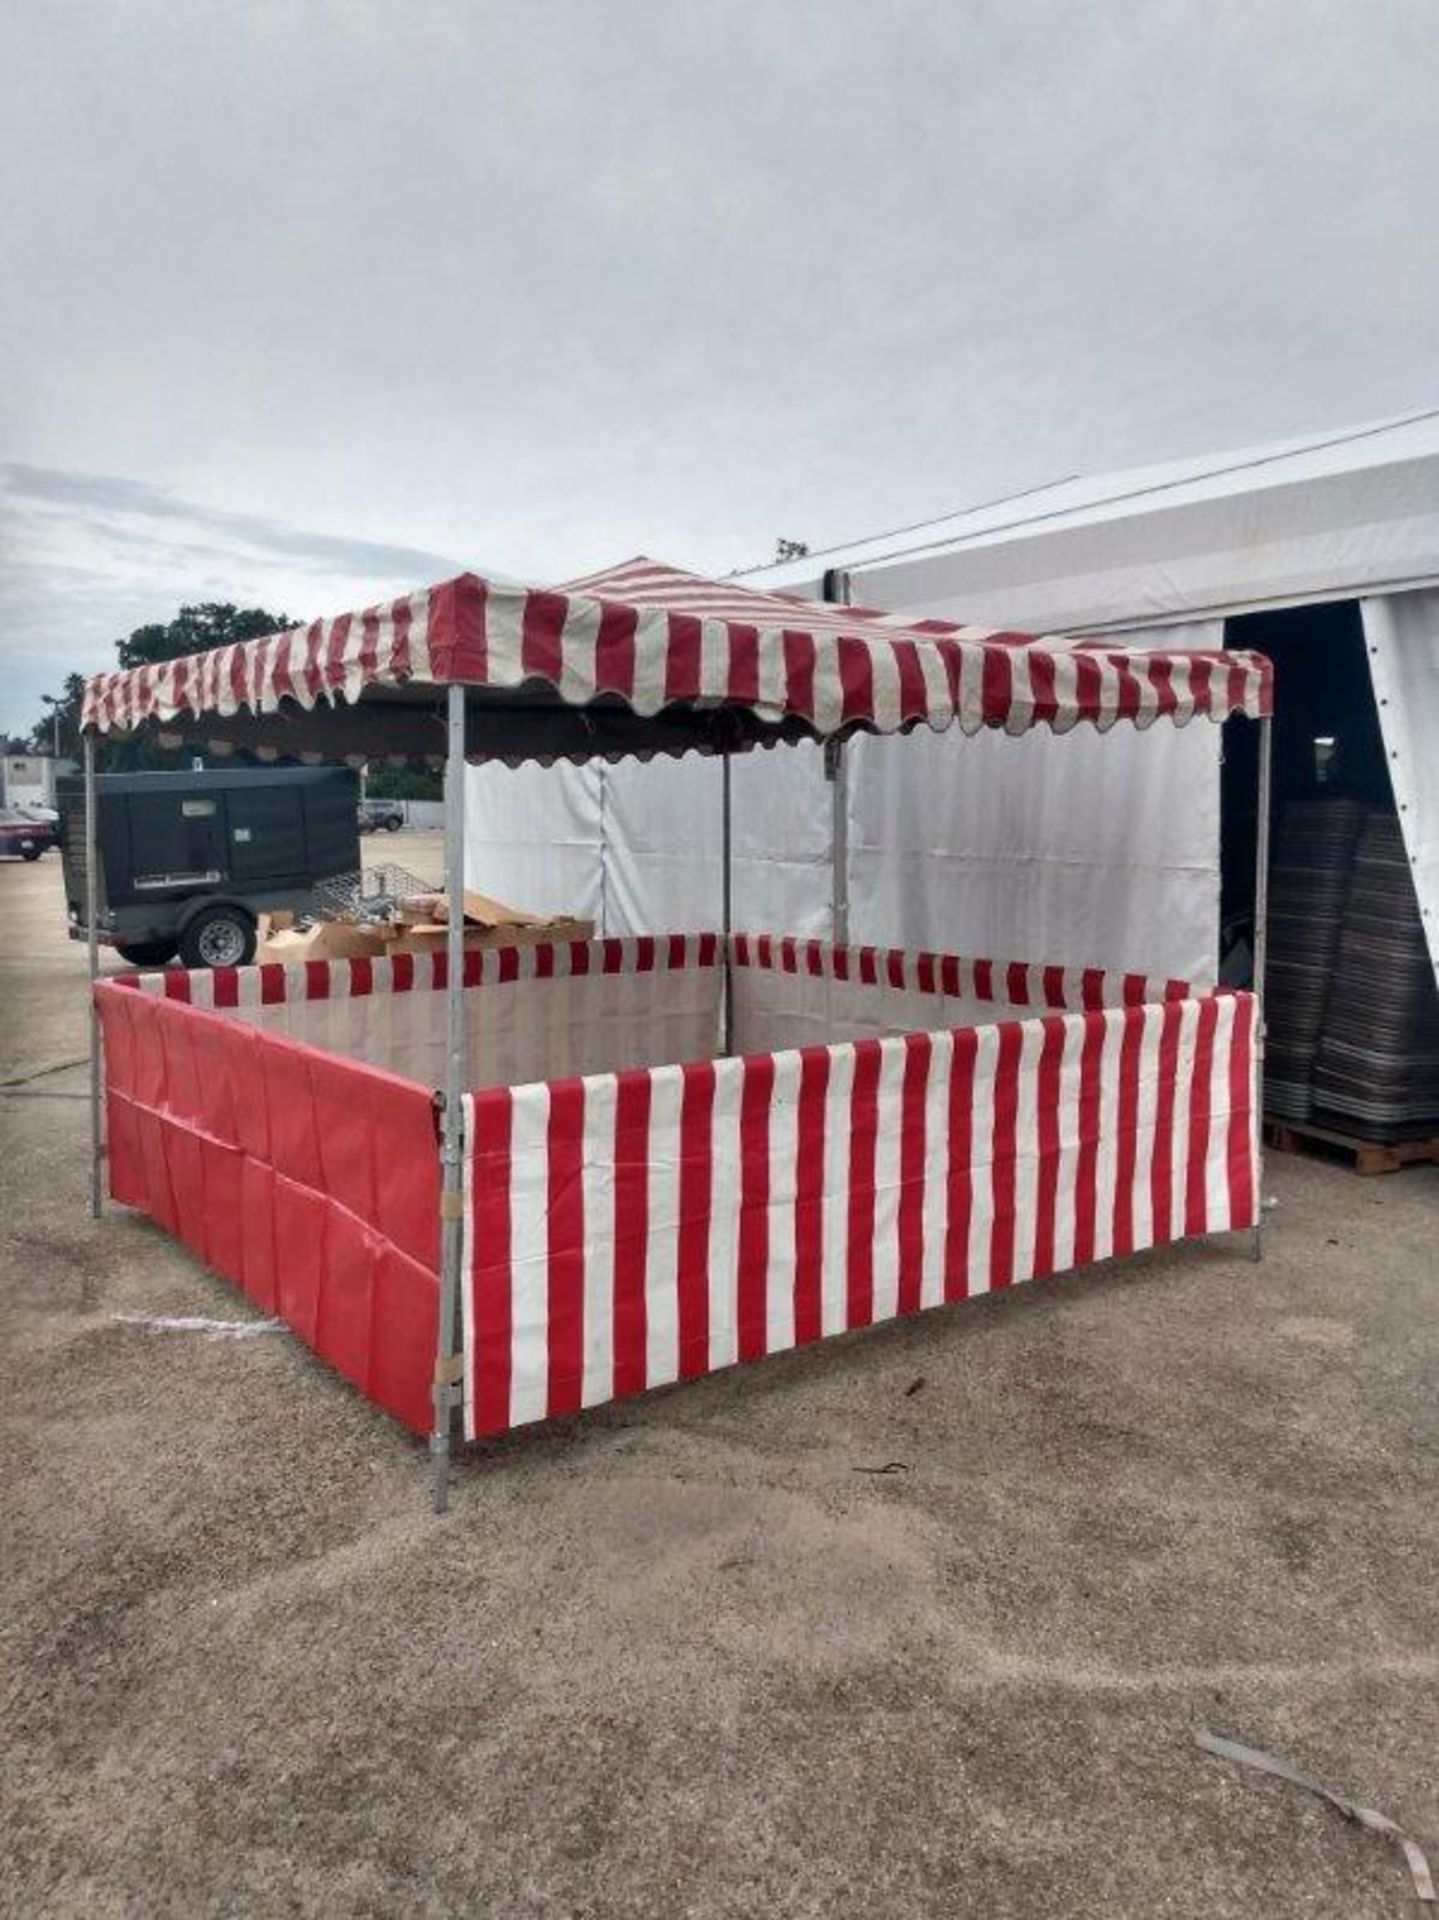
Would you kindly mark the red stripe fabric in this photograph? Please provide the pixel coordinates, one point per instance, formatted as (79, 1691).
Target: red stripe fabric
(912, 1152)
(752, 1293)
(1200, 1102)
(338, 649)
(1047, 1117)
(809, 1193)
(997, 686)
(566, 1209)
(799, 663)
(541, 646)
(744, 665)
(490, 1276)
(630, 1229)
(959, 1181)
(1006, 1147)
(1086, 1194)
(913, 692)
(682, 658)
(696, 1194)
(401, 661)
(856, 679)
(615, 651)
(1127, 1144)
(1042, 686)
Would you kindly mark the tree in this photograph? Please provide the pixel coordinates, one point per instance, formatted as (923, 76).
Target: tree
(193, 630)
(384, 782)
(215, 623)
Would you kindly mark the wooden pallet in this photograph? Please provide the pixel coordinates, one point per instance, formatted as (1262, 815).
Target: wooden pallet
(1369, 1156)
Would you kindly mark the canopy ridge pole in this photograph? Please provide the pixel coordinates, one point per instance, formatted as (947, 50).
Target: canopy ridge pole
(727, 898)
(448, 1392)
(92, 949)
(835, 587)
(1261, 949)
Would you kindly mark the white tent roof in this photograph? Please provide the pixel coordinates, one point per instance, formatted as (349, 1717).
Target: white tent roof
(1332, 516)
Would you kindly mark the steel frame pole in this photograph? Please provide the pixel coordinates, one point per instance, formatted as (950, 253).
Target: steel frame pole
(835, 588)
(92, 948)
(448, 1353)
(727, 896)
(1261, 950)
(836, 772)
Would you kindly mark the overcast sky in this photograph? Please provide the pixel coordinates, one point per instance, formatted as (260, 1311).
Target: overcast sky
(305, 304)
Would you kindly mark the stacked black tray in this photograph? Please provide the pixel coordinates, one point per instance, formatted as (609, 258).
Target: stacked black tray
(1309, 878)
(1376, 1070)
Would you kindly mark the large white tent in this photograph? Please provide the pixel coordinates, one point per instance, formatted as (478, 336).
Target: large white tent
(1115, 844)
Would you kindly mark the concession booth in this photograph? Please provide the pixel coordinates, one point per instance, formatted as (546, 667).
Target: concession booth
(510, 1184)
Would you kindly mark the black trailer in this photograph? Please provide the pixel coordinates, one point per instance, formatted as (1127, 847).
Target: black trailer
(187, 860)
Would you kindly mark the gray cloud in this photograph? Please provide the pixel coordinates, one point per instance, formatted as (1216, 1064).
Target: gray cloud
(540, 285)
(102, 497)
(108, 502)
(86, 557)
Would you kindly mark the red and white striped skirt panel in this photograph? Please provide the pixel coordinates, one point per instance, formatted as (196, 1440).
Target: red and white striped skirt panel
(625, 1230)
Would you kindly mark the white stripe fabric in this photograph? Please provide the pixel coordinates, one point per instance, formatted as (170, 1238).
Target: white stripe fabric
(529, 1253)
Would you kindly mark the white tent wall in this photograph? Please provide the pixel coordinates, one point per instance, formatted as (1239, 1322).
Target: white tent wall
(662, 843)
(533, 837)
(1401, 631)
(1105, 848)
(636, 846)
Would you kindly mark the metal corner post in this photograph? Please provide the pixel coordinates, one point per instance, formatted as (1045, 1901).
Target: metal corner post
(92, 948)
(727, 897)
(836, 772)
(447, 1393)
(836, 588)
(1261, 948)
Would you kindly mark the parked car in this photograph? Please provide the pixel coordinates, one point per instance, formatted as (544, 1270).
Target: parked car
(375, 814)
(188, 861)
(20, 835)
(46, 822)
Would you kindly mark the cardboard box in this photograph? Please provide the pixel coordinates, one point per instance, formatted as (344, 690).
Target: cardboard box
(327, 940)
(532, 933)
(340, 940)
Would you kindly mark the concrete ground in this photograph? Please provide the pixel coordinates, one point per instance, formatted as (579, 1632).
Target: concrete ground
(679, 1658)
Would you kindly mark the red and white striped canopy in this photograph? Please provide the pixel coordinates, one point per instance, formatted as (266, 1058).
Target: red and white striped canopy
(655, 640)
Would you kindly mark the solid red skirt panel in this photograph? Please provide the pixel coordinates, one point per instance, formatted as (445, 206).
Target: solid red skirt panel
(308, 1180)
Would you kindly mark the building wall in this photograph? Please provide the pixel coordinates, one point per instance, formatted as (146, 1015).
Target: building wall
(28, 780)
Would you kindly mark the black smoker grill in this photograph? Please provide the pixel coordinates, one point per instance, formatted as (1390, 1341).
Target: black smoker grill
(187, 860)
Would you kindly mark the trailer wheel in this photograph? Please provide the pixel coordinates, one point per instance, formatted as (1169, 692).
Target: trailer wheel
(219, 937)
(31, 853)
(393, 824)
(147, 953)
